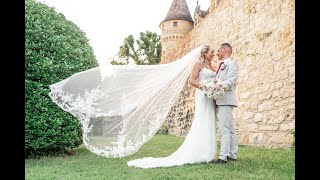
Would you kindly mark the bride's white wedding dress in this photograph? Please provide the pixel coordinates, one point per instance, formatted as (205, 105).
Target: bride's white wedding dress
(121, 107)
(200, 143)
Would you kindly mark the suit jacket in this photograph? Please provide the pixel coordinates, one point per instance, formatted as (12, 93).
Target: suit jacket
(228, 76)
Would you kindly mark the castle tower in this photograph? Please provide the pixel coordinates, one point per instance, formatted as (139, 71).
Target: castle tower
(199, 14)
(175, 26)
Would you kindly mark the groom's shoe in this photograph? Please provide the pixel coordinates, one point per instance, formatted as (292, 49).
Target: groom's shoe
(220, 161)
(231, 159)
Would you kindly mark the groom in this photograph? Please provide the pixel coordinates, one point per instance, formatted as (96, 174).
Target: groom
(227, 73)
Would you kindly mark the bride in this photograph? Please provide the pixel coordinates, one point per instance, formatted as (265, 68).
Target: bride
(121, 107)
(200, 143)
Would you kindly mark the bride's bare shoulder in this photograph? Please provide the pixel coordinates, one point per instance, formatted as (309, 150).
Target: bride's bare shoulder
(198, 64)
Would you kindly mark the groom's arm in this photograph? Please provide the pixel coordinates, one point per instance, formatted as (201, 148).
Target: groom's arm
(232, 75)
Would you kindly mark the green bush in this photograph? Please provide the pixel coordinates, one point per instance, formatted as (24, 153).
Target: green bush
(55, 48)
(164, 129)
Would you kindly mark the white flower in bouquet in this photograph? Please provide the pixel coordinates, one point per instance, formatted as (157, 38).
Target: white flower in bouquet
(215, 96)
(204, 81)
(210, 84)
(213, 88)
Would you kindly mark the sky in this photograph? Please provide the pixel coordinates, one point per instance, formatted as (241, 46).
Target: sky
(106, 23)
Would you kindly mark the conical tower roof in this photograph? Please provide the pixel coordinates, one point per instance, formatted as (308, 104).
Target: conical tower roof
(178, 11)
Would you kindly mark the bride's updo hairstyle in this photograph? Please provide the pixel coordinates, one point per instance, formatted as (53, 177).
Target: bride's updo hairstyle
(204, 49)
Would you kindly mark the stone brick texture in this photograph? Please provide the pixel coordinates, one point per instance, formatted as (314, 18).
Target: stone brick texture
(262, 34)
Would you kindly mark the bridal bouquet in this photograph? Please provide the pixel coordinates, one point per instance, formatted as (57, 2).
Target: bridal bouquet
(213, 88)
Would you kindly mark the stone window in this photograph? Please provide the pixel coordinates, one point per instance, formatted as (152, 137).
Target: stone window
(175, 23)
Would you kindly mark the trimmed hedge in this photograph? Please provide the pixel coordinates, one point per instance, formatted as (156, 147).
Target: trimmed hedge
(55, 48)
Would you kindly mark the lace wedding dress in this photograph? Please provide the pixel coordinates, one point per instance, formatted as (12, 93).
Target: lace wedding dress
(200, 143)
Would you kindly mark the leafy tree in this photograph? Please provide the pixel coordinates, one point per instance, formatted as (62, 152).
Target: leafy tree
(55, 48)
(119, 61)
(145, 50)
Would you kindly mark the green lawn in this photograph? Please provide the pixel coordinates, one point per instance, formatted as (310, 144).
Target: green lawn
(253, 163)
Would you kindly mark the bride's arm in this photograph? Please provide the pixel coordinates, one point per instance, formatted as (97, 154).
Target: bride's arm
(194, 75)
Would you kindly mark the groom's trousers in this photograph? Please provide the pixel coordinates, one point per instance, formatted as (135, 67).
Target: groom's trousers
(229, 141)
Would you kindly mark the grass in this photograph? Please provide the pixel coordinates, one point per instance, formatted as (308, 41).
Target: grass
(252, 163)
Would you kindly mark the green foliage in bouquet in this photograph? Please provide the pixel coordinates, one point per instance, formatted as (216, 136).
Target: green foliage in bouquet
(55, 48)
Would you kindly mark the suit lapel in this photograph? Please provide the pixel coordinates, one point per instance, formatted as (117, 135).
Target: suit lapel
(226, 62)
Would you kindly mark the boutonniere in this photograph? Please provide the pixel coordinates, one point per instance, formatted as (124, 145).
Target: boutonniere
(223, 66)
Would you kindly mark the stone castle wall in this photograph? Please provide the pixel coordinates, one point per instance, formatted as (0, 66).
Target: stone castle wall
(262, 34)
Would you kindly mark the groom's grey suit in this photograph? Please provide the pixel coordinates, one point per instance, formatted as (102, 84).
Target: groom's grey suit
(229, 142)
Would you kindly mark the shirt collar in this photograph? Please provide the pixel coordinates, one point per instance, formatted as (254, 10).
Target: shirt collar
(226, 60)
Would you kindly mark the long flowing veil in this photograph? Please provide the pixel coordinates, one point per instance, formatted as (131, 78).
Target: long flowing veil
(121, 107)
